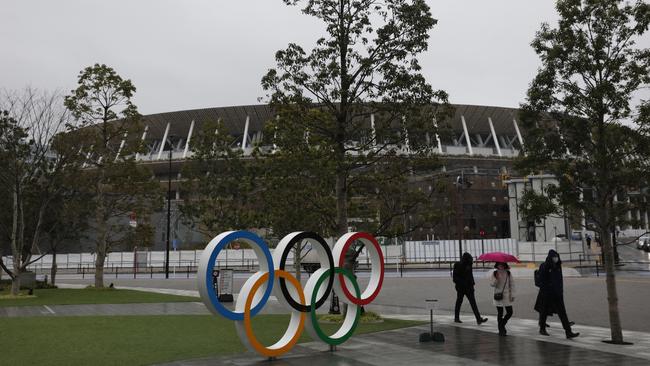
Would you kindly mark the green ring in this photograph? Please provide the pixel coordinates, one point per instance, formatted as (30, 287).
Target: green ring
(314, 320)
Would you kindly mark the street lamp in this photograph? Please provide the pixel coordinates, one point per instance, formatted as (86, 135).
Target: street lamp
(169, 203)
(461, 183)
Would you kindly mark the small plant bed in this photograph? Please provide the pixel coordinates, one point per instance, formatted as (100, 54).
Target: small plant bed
(87, 296)
(367, 317)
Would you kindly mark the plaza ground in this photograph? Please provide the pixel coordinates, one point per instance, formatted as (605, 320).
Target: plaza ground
(180, 331)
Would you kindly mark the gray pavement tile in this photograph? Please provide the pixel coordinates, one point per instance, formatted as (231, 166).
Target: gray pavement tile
(462, 347)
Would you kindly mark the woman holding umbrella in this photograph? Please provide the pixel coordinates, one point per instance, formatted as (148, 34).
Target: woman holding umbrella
(504, 294)
(504, 287)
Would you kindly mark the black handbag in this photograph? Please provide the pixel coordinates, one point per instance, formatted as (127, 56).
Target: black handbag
(498, 296)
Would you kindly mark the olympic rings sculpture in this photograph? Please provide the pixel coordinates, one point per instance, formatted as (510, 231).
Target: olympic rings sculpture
(273, 279)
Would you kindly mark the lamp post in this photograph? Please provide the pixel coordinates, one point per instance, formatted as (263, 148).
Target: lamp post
(461, 183)
(169, 205)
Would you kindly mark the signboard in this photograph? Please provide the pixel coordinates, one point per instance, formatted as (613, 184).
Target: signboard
(225, 285)
(431, 242)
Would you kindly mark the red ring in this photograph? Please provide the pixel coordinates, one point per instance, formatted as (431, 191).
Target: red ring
(346, 292)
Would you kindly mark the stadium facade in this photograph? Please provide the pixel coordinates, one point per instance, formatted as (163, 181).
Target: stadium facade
(481, 146)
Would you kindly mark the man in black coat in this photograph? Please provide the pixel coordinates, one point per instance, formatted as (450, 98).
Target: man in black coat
(464, 280)
(550, 299)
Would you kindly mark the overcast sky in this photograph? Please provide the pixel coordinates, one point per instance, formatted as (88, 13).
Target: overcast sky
(186, 54)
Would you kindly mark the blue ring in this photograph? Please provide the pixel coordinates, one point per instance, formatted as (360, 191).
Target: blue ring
(208, 275)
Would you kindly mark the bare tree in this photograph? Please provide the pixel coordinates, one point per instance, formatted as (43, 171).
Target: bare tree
(32, 166)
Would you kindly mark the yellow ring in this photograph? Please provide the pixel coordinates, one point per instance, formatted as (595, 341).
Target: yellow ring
(259, 347)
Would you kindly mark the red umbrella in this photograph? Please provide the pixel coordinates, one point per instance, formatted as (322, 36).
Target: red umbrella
(498, 257)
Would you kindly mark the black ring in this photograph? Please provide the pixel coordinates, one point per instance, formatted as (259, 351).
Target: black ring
(283, 284)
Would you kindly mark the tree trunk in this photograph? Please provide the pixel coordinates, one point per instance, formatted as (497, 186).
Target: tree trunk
(297, 259)
(53, 269)
(341, 203)
(102, 250)
(15, 283)
(99, 271)
(612, 295)
(102, 232)
(16, 246)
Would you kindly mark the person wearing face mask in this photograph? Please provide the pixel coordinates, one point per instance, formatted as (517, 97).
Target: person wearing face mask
(504, 294)
(464, 281)
(550, 299)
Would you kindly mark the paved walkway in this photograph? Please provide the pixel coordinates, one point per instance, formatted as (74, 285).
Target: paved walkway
(463, 346)
(467, 343)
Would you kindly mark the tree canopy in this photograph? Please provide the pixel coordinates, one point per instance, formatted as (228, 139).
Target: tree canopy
(582, 124)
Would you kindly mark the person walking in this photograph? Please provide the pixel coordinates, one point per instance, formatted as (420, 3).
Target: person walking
(588, 237)
(550, 299)
(504, 294)
(464, 281)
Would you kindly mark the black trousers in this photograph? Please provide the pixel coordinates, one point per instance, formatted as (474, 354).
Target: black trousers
(460, 294)
(502, 320)
(561, 312)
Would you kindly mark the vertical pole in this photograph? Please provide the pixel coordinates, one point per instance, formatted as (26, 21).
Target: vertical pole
(460, 220)
(470, 151)
(494, 137)
(437, 137)
(169, 210)
(244, 143)
(144, 135)
(163, 142)
(187, 142)
(521, 140)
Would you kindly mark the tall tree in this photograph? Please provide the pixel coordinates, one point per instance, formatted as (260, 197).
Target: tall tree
(356, 113)
(581, 122)
(224, 185)
(102, 103)
(33, 168)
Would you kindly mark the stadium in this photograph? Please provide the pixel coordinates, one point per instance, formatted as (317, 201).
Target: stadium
(480, 147)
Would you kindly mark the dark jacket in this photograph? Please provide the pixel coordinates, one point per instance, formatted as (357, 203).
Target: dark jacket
(462, 275)
(551, 291)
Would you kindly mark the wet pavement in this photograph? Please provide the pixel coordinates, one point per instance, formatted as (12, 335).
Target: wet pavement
(461, 347)
(586, 298)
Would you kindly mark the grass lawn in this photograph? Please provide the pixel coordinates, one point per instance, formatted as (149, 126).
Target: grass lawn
(138, 340)
(89, 296)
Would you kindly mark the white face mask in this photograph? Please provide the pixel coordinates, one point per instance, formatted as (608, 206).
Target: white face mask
(556, 259)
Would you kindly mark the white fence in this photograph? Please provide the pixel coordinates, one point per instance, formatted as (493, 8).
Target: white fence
(448, 250)
(538, 251)
(410, 251)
